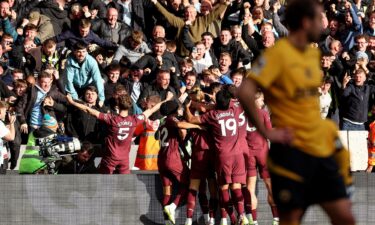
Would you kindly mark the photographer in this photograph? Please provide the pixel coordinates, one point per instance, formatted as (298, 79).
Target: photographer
(6, 134)
(31, 160)
(82, 163)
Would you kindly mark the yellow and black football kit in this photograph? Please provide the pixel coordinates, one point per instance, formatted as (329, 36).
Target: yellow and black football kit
(305, 172)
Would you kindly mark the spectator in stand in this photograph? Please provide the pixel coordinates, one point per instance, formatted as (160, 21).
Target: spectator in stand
(81, 71)
(198, 25)
(54, 9)
(110, 29)
(81, 124)
(225, 62)
(158, 59)
(355, 101)
(325, 98)
(96, 8)
(189, 82)
(350, 58)
(353, 27)
(199, 61)
(135, 85)
(83, 34)
(157, 32)
(20, 88)
(161, 87)
(40, 57)
(225, 43)
(134, 13)
(6, 133)
(30, 31)
(370, 28)
(237, 76)
(40, 99)
(133, 48)
(43, 24)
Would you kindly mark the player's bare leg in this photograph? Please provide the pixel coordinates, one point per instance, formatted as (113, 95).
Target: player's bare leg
(271, 202)
(251, 184)
(339, 211)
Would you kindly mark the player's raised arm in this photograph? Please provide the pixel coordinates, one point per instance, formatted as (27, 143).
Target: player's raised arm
(147, 113)
(186, 125)
(82, 107)
(190, 117)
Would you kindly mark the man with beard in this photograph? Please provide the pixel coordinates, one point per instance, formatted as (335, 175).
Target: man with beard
(307, 162)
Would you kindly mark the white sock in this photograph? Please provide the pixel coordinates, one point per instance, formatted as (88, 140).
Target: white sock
(189, 221)
(276, 219)
(206, 217)
(173, 206)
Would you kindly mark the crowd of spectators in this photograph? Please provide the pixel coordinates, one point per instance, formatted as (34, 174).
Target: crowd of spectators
(97, 51)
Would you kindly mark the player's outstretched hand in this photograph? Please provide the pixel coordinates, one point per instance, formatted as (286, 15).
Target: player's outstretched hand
(282, 135)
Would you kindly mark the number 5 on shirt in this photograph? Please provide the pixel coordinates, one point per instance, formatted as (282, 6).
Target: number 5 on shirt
(122, 133)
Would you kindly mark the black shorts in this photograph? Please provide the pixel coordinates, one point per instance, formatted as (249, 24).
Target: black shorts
(300, 180)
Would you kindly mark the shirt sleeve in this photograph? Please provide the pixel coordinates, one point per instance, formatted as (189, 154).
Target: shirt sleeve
(105, 117)
(205, 118)
(139, 119)
(266, 69)
(3, 130)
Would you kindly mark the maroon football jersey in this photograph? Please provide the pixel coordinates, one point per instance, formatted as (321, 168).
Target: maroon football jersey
(254, 139)
(119, 134)
(201, 139)
(223, 127)
(169, 154)
(242, 123)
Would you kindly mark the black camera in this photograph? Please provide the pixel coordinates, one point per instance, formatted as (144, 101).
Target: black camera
(56, 146)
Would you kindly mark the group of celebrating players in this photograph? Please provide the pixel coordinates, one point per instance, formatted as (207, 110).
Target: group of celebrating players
(226, 153)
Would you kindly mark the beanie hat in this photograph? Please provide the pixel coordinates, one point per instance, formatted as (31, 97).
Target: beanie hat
(361, 55)
(49, 122)
(169, 108)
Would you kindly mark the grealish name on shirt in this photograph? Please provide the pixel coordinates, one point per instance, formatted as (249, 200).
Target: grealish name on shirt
(224, 114)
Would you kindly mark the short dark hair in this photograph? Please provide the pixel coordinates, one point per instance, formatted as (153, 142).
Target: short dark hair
(92, 89)
(87, 146)
(112, 67)
(223, 98)
(79, 45)
(49, 43)
(297, 10)
(207, 34)
(30, 26)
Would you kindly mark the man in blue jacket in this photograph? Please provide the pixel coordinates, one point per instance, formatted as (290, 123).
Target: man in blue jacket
(82, 71)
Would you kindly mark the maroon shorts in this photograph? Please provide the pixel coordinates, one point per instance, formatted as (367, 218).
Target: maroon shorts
(202, 164)
(108, 166)
(231, 169)
(173, 172)
(257, 160)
